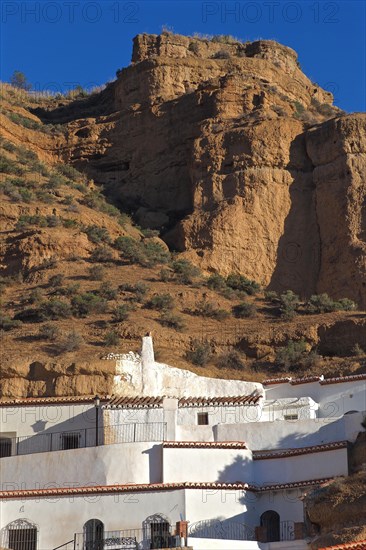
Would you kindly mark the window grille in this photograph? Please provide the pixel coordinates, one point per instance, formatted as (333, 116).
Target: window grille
(70, 441)
(202, 419)
(5, 446)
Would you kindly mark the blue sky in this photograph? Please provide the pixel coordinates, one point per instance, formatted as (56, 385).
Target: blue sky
(59, 44)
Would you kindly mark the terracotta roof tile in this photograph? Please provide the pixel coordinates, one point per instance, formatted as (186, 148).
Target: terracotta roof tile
(145, 487)
(205, 444)
(133, 402)
(340, 379)
(128, 402)
(282, 453)
(309, 379)
(251, 399)
(294, 485)
(24, 401)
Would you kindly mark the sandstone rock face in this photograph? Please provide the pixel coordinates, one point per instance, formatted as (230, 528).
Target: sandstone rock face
(210, 143)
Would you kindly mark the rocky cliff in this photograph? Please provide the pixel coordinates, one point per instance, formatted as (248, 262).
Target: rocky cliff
(233, 157)
(227, 149)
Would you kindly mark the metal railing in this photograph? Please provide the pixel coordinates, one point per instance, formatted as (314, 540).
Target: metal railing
(151, 536)
(223, 530)
(287, 530)
(85, 437)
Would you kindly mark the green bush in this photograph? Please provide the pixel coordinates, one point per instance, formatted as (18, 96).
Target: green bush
(71, 342)
(145, 253)
(322, 303)
(88, 302)
(160, 302)
(172, 320)
(55, 309)
(207, 309)
(120, 313)
(357, 351)
(271, 296)
(289, 302)
(106, 291)
(111, 338)
(244, 310)
(292, 353)
(69, 223)
(49, 332)
(101, 254)
(56, 280)
(165, 275)
(7, 323)
(200, 352)
(8, 166)
(139, 290)
(185, 272)
(231, 360)
(241, 283)
(96, 234)
(96, 273)
(216, 282)
(35, 296)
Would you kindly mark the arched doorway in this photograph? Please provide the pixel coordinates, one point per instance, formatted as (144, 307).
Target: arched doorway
(270, 520)
(157, 531)
(20, 534)
(93, 535)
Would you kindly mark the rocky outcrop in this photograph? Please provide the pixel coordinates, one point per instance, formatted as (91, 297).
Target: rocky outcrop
(226, 148)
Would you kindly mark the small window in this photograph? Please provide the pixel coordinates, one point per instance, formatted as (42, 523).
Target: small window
(290, 417)
(202, 419)
(5, 446)
(70, 441)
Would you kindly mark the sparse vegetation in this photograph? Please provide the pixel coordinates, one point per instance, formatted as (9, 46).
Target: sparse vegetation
(87, 303)
(207, 309)
(231, 360)
(101, 254)
(185, 272)
(241, 283)
(292, 353)
(120, 313)
(161, 302)
(49, 331)
(7, 323)
(96, 273)
(322, 303)
(111, 338)
(199, 353)
(71, 342)
(172, 320)
(244, 310)
(289, 302)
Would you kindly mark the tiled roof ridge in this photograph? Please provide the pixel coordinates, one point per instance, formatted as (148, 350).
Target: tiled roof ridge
(205, 444)
(144, 487)
(359, 545)
(53, 400)
(309, 379)
(274, 453)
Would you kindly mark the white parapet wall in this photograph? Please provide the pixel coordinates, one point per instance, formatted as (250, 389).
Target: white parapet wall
(216, 463)
(142, 375)
(104, 465)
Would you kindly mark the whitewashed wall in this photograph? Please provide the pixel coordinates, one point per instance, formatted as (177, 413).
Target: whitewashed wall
(58, 518)
(34, 419)
(291, 433)
(278, 409)
(104, 465)
(334, 399)
(195, 464)
(187, 416)
(300, 468)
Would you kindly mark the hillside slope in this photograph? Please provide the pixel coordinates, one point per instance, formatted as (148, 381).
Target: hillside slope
(227, 153)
